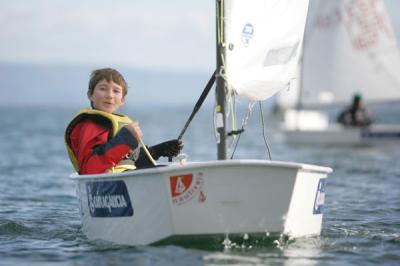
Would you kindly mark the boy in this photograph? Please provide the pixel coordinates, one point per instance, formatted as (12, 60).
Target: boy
(98, 140)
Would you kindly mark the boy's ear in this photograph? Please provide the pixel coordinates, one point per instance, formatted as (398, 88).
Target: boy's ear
(89, 94)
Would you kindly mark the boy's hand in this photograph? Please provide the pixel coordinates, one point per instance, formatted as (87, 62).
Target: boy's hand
(169, 148)
(135, 129)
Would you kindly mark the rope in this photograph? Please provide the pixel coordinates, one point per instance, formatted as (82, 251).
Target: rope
(234, 149)
(263, 130)
(244, 123)
(147, 152)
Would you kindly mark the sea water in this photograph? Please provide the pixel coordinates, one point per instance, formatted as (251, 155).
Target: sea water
(39, 215)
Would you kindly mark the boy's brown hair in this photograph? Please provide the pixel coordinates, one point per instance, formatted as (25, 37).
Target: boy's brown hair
(108, 74)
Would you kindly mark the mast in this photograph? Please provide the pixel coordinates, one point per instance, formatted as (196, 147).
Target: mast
(220, 119)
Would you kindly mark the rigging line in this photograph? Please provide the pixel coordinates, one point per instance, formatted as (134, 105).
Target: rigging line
(237, 141)
(244, 123)
(230, 100)
(232, 106)
(263, 131)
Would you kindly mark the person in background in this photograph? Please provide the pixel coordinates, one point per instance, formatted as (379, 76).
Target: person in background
(356, 115)
(98, 140)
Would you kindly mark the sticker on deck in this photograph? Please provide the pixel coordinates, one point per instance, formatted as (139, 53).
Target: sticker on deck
(320, 197)
(108, 199)
(186, 187)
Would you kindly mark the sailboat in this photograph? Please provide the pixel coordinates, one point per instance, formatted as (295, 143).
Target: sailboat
(258, 46)
(349, 48)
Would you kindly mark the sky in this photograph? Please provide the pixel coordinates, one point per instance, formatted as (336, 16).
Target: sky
(156, 35)
(173, 34)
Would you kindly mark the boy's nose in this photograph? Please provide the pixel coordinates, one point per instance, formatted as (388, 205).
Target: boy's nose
(109, 94)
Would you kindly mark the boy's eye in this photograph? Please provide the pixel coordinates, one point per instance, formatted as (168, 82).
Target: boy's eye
(117, 91)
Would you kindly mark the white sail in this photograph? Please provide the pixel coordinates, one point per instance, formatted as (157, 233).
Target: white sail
(263, 44)
(349, 48)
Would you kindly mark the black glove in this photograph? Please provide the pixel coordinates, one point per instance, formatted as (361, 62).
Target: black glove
(169, 148)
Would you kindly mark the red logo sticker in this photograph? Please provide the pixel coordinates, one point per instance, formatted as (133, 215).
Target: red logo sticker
(185, 187)
(180, 184)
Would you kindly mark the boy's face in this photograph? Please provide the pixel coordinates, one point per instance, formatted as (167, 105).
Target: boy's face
(107, 96)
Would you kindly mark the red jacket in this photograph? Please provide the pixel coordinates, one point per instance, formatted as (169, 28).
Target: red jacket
(95, 151)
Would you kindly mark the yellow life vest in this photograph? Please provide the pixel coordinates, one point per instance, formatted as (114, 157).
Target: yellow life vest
(114, 122)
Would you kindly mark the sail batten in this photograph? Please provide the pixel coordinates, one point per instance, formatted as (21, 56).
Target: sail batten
(263, 45)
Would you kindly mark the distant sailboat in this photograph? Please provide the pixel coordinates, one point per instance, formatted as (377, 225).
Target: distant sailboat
(349, 48)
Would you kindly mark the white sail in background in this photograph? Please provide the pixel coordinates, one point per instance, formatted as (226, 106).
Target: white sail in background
(349, 48)
(263, 44)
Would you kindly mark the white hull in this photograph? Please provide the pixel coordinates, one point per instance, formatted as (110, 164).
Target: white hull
(202, 199)
(336, 134)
